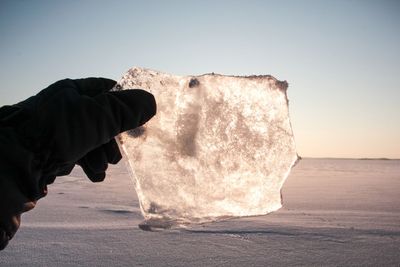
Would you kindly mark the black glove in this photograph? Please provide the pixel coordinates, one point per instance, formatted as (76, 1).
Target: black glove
(70, 122)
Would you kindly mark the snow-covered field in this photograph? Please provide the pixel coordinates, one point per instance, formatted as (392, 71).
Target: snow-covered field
(336, 213)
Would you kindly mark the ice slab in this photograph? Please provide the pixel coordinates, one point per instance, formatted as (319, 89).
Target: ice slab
(219, 146)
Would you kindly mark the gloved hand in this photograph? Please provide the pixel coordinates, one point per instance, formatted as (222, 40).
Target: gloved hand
(70, 122)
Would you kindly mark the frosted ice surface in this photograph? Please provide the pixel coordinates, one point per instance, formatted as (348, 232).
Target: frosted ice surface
(219, 146)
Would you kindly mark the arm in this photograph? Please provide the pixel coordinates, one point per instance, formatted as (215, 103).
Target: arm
(70, 122)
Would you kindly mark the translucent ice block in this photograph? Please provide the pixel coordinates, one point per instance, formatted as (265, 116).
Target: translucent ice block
(219, 146)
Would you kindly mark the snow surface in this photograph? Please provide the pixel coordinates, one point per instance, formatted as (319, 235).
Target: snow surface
(335, 213)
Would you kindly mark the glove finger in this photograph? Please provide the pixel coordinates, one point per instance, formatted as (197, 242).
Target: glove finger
(112, 152)
(97, 160)
(65, 170)
(88, 87)
(101, 118)
(3, 239)
(14, 225)
(94, 177)
(130, 108)
(9, 227)
(93, 86)
(28, 206)
(95, 164)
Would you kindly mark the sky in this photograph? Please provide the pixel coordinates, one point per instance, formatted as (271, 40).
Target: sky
(341, 58)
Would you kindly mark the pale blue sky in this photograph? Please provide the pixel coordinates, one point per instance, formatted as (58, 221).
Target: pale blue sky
(341, 58)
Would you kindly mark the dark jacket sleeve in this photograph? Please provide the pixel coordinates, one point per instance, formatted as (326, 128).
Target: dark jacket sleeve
(17, 163)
